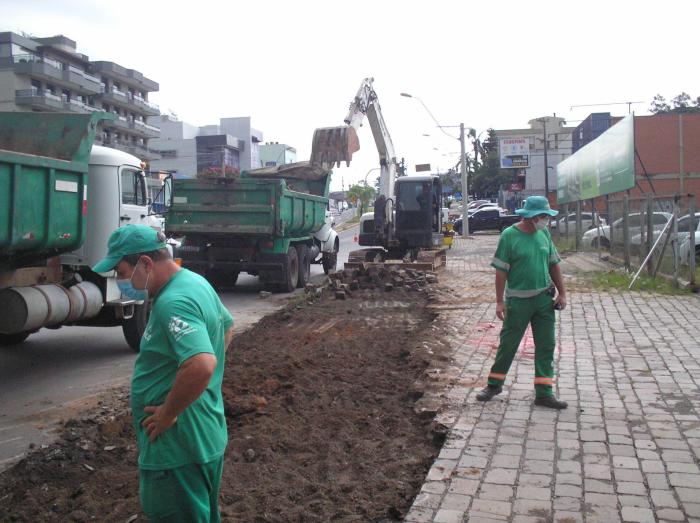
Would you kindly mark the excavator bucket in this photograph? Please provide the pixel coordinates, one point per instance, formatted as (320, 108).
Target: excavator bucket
(332, 145)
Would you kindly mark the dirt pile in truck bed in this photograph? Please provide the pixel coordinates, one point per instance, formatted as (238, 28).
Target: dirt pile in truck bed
(321, 403)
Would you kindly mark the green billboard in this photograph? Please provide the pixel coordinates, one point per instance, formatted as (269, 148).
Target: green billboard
(604, 166)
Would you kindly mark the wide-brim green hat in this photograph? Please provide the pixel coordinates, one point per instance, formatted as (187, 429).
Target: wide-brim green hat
(534, 206)
(130, 239)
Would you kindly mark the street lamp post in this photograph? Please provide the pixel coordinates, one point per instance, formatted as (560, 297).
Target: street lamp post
(463, 153)
(372, 169)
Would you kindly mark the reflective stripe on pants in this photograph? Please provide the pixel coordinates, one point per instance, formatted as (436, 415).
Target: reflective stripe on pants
(521, 312)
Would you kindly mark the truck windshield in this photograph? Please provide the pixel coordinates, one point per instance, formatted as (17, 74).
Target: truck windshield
(133, 189)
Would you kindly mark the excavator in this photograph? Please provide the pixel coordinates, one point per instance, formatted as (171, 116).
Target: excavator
(406, 225)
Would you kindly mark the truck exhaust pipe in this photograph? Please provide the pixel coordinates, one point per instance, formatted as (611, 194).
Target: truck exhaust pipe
(31, 308)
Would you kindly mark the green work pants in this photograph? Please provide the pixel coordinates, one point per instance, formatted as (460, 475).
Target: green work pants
(187, 494)
(537, 311)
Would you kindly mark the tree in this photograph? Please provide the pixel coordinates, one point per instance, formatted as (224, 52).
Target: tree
(488, 177)
(659, 105)
(361, 195)
(683, 103)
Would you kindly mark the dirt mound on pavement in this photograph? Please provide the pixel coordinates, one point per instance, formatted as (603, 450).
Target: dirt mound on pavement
(320, 402)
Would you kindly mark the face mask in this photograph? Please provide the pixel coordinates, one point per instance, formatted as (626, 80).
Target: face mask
(127, 288)
(541, 224)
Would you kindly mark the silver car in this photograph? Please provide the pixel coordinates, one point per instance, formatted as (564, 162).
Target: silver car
(600, 236)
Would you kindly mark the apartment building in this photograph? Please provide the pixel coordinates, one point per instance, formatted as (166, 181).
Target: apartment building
(186, 150)
(48, 74)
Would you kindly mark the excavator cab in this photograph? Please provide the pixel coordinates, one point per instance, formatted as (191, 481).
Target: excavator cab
(418, 212)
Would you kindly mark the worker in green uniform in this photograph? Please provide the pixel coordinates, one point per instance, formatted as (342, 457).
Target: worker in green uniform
(176, 397)
(527, 273)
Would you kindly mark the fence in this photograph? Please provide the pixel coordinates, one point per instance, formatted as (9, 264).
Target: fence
(656, 234)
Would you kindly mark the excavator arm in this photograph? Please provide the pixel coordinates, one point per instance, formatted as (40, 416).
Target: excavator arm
(332, 145)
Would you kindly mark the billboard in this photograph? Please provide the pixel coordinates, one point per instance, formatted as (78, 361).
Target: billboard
(604, 166)
(514, 152)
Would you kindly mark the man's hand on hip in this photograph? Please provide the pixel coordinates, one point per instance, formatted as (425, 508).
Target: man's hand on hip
(501, 310)
(158, 422)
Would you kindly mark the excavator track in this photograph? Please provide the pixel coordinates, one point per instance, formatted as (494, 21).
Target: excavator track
(427, 260)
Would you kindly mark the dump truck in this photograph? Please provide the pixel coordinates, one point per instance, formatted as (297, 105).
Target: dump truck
(60, 198)
(268, 222)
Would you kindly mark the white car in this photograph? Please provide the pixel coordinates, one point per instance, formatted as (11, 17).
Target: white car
(488, 207)
(600, 236)
(587, 222)
(683, 237)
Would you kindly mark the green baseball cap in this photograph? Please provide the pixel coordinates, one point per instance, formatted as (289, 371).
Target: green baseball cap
(534, 206)
(130, 239)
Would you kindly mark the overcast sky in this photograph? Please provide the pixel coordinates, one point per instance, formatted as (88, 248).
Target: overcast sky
(295, 66)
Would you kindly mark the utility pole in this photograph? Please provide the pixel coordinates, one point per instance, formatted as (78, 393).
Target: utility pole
(546, 166)
(465, 180)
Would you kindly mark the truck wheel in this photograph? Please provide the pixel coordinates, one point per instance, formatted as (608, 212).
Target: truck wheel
(13, 339)
(291, 271)
(134, 327)
(304, 266)
(503, 227)
(329, 260)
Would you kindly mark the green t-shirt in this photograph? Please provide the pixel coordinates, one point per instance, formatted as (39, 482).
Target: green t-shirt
(526, 259)
(187, 318)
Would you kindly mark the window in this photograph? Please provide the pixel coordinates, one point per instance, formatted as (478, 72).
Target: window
(660, 219)
(133, 187)
(412, 197)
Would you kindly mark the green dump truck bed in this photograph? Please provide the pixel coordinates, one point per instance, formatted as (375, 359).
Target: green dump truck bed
(43, 183)
(287, 201)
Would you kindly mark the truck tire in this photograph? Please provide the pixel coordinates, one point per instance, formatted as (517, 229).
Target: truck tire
(304, 266)
(134, 327)
(291, 270)
(329, 260)
(13, 339)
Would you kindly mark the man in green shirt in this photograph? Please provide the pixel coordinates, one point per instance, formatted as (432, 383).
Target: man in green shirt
(176, 387)
(527, 264)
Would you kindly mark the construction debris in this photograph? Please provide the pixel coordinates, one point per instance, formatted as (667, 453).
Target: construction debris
(378, 276)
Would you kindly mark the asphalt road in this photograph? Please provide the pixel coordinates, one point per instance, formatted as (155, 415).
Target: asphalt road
(56, 372)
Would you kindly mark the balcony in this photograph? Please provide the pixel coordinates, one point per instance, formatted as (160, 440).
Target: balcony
(137, 150)
(120, 122)
(38, 99)
(147, 107)
(128, 101)
(52, 71)
(145, 130)
(86, 81)
(128, 76)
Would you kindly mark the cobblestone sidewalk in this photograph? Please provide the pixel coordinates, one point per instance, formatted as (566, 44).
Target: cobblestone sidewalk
(626, 449)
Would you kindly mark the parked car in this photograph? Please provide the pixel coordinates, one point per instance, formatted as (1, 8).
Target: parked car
(488, 219)
(485, 207)
(480, 205)
(587, 222)
(684, 237)
(600, 236)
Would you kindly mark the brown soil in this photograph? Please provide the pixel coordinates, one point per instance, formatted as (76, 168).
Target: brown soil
(323, 425)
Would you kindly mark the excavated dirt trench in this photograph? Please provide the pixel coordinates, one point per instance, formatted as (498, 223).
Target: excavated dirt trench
(323, 423)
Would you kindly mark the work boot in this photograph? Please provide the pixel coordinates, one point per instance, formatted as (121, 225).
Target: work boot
(551, 403)
(488, 392)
